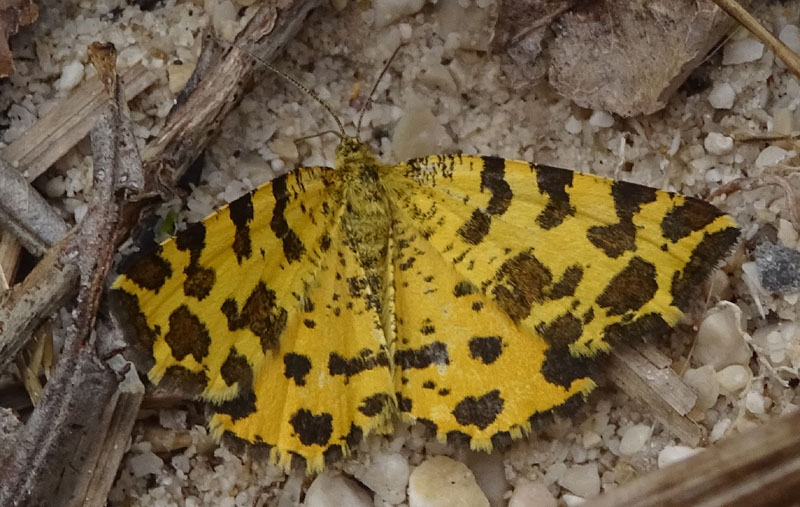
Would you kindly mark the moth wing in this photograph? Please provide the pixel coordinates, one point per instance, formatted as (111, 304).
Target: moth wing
(528, 272)
(243, 307)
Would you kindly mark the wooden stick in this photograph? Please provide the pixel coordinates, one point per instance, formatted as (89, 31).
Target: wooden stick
(781, 50)
(760, 467)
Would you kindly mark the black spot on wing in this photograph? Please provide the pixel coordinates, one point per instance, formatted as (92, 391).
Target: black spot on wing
(693, 215)
(480, 412)
(366, 360)
(492, 179)
(427, 355)
(126, 305)
(569, 281)
(562, 368)
(312, 429)
(630, 289)
(464, 288)
(375, 404)
(237, 370)
(147, 270)
(187, 335)
(293, 248)
(403, 404)
(296, 367)
(260, 314)
(521, 281)
(199, 280)
(705, 256)
(487, 349)
(564, 330)
(553, 182)
(616, 239)
(241, 213)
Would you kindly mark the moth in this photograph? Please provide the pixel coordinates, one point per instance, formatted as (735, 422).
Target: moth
(468, 293)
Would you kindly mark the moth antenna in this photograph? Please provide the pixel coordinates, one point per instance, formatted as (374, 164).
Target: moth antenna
(375, 87)
(319, 134)
(311, 94)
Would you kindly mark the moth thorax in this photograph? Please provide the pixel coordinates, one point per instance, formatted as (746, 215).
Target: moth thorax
(366, 218)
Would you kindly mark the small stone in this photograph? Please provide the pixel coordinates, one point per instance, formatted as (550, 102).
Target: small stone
(532, 494)
(778, 268)
(718, 144)
(704, 382)
(674, 453)
(790, 35)
(490, 474)
(178, 74)
(591, 439)
(71, 75)
(719, 429)
(770, 156)
(419, 133)
(601, 119)
(722, 96)
(332, 489)
(572, 500)
(754, 403)
(742, 51)
(444, 482)
(574, 126)
(387, 476)
(144, 464)
(582, 480)
(389, 11)
(720, 341)
(634, 439)
(733, 378)
(285, 148)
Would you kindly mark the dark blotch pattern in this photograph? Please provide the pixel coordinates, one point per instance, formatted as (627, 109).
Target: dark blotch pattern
(149, 271)
(199, 280)
(487, 349)
(564, 330)
(403, 404)
(187, 335)
(618, 238)
(260, 314)
(480, 412)
(562, 368)
(706, 254)
(296, 367)
(132, 317)
(366, 360)
(293, 248)
(569, 281)
(432, 353)
(521, 281)
(241, 213)
(554, 181)
(312, 429)
(691, 216)
(236, 369)
(464, 288)
(374, 404)
(631, 288)
(492, 178)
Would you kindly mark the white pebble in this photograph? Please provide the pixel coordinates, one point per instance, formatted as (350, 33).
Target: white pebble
(573, 126)
(742, 51)
(674, 453)
(389, 11)
(55, 187)
(704, 383)
(444, 482)
(71, 75)
(572, 500)
(582, 480)
(718, 144)
(80, 212)
(591, 439)
(790, 35)
(719, 429)
(144, 464)
(770, 156)
(532, 494)
(387, 476)
(720, 341)
(722, 96)
(332, 489)
(634, 439)
(419, 133)
(733, 378)
(754, 403)
(601, 119)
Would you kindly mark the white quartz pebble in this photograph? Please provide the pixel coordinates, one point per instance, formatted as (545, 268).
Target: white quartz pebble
(634, 439)
(444, 482)
(332, 489)
(581, 480)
